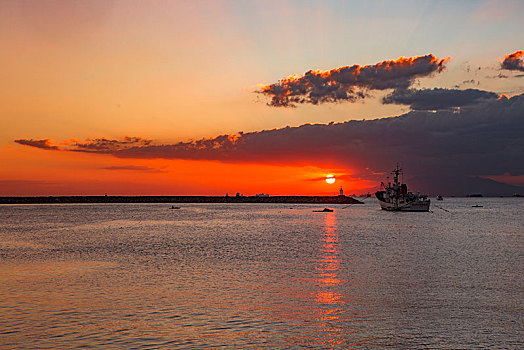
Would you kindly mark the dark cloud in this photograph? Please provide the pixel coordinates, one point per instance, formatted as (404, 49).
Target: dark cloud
(467, 82)
(434, 99)
(350, 83)
(103, 145)
(485, 138)
(513, 61)
(437, 149)
(43, 144)
(138, 168)
(223, 147)
(499, 76)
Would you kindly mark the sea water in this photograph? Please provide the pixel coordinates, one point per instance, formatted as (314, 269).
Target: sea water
(140, 276)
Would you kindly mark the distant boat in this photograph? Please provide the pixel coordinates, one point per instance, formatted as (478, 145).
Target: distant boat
(395, 196)
(325, 210)
(173, 207)
(475, 195)
(477, 206)
(439, 197)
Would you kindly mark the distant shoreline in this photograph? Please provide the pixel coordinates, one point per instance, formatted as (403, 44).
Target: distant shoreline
(180, 199)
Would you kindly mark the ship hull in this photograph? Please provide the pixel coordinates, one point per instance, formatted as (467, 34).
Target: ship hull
(404, 207)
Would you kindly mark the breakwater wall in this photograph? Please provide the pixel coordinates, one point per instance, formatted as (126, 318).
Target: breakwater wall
(180, 199)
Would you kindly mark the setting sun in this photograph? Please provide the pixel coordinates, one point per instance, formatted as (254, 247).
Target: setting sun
(330, 179)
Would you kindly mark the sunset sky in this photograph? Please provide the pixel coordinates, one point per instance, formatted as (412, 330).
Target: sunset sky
(214, 97)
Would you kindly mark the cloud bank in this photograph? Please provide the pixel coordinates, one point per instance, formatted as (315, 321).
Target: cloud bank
(104, 145)
(350, 83)
(43, 144)
(436, 148)
(434, 99)
(96, 145)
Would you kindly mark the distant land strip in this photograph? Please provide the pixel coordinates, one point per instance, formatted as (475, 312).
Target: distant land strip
(181, 199)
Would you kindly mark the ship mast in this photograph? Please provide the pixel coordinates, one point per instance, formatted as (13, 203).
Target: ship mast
(396, 172)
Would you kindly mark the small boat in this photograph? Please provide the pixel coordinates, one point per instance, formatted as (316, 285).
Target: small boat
(173, 207)
(395, 196)
(439, 197)
(325, 210)
(477, 206)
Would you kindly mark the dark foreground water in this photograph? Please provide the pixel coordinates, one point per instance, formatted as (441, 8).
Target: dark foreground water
(140, 276)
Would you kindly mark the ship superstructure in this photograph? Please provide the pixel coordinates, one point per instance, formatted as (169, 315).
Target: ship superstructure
(395, 196)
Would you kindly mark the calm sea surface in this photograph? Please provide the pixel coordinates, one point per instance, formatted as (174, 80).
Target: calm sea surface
(140, 276)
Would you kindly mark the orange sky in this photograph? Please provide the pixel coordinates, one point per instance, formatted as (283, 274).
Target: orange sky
(84, 174)
(177, 71)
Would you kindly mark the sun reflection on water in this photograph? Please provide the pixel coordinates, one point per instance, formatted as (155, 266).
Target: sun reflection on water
(328, 298)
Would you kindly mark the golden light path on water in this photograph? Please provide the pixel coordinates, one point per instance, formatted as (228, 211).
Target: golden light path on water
(329, 298)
